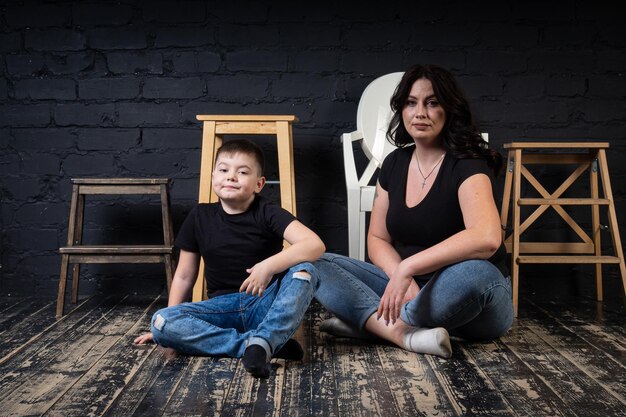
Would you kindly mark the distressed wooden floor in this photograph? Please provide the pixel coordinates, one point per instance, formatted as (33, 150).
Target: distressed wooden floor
(559, 359)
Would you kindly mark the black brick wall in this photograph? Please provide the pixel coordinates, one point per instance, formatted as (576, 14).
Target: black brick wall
(109, 89)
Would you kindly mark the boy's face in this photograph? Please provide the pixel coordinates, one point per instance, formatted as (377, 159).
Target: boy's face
(236, 178)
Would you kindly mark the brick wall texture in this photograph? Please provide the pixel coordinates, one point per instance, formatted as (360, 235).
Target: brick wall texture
(112, 89)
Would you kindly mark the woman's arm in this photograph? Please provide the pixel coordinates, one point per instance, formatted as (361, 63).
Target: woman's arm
(304, 246)
(379, 243)
(480, 239)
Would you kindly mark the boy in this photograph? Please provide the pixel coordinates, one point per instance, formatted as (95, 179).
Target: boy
(258, 292)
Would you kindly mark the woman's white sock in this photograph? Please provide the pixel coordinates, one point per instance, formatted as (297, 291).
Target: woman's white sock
(434, 341)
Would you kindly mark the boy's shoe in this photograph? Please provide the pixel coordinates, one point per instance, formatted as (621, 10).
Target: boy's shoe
(255, 361)
(291, 350)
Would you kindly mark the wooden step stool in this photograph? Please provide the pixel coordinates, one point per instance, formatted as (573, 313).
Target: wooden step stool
(588, 251)
(214, 127)
(76, 253)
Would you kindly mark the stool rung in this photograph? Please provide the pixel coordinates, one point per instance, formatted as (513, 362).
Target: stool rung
(116, 250)
(563, 201)
(568, 260)
(120, 181)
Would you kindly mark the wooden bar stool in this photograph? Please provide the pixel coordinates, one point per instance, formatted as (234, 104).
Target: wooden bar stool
(214, 128)
(585, 156)
(76, 253)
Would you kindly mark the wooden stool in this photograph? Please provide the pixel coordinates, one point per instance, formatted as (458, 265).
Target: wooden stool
(214, 127)
(76, 253)
(593, 159)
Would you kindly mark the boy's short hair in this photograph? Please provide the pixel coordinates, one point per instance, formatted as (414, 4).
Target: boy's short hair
(245, 146)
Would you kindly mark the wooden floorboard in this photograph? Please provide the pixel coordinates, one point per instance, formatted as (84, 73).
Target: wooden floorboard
(561, 358)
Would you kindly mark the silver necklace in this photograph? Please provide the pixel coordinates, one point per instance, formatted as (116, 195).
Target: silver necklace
(425, 177)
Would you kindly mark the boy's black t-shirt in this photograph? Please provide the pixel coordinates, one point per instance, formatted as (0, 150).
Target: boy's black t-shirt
(438, 216)
(231, 243)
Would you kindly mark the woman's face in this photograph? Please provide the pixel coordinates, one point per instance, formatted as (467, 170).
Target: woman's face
(422, 115)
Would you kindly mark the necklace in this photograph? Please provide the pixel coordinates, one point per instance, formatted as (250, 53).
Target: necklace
(425, 177)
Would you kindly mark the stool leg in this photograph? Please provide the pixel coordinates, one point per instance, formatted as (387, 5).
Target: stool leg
(614, 226)
(506, 195)
(517, 180)
(80, 218)
(285, 167)
(62, 282)
(169, 271)
(595, 225)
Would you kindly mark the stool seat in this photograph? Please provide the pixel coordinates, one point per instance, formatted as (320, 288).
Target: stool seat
(584, 157)
(116, 250)
(77, 253)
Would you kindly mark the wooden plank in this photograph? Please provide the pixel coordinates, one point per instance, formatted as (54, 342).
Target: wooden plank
(297, 395)
(204, 388)
(324, 394)
(573, 259)
(468, 387)
(157, 397)
(21, 327)
(47, 336)
(105, 380)
(526, 393)
(362, 386)
(583, 395)
(415, 387)
(604, 334)
(34, 381)
(245, 117)
(601, 368)
(563, 201)
(19, 311)
(120, 181)
(248, 395)
(556, 145)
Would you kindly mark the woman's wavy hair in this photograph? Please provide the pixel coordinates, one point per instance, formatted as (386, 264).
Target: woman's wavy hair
(460, 135)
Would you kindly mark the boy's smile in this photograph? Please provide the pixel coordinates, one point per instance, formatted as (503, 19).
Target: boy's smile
(236, 180)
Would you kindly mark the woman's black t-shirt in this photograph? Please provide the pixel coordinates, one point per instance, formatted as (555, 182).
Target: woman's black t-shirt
(438, 216)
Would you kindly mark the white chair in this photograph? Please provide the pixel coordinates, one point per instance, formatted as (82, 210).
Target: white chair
(372, 120)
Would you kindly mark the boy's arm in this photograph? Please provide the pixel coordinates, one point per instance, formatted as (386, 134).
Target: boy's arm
(182, 285)
(305, 246)
(184, 277)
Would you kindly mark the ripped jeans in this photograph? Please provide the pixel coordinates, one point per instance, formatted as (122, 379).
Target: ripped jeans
(471, 299)
(226, 324)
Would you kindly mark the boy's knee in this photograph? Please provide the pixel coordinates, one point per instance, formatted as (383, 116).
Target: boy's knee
(305, 272)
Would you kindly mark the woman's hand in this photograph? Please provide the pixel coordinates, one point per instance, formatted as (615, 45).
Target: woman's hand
(144, 339)
(256, 283)
(395, 294)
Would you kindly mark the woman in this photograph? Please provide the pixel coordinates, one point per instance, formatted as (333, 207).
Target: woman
(434, 237)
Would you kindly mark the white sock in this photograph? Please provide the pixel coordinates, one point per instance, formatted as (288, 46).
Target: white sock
(434, 341)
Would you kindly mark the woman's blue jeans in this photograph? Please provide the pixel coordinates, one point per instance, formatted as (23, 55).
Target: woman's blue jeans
(471, 299)
(226, 324)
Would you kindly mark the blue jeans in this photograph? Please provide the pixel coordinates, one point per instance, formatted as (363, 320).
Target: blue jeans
(226, 324)
(471, 299)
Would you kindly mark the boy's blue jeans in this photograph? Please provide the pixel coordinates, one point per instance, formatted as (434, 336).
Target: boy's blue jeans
(226, 324)
(471, 299)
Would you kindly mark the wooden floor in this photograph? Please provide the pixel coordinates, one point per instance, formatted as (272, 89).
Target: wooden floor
(559, 359)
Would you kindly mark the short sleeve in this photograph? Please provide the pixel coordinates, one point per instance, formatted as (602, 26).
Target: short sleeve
(385, 171)
(186, 238)
(465, 168)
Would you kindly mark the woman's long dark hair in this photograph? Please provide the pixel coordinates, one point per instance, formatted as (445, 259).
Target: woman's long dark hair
(460, 135)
